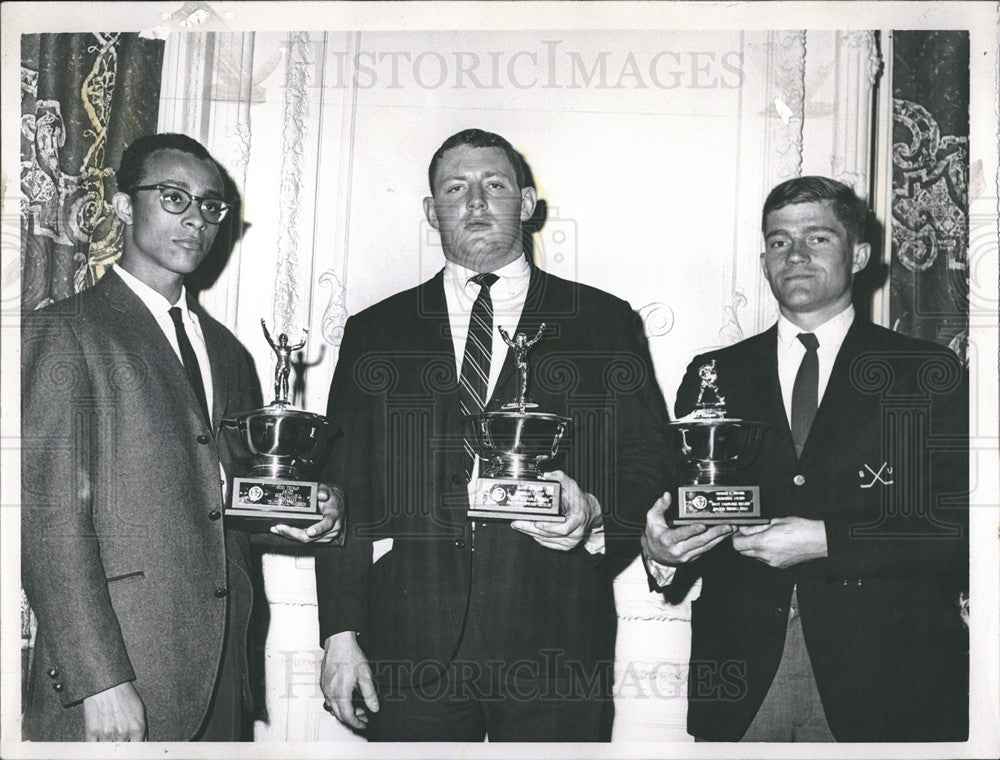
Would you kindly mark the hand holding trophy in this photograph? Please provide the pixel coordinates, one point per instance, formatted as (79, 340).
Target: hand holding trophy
(713, 445)
(277, 449)
(514, 442)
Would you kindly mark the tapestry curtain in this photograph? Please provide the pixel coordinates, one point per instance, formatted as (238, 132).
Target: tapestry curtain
(84, 97)
(930, 186)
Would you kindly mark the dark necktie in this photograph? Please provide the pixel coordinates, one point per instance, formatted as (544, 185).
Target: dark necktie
(475, 377)
(805, 392)
(190, 362)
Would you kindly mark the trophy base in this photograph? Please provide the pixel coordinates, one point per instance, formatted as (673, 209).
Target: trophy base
(517, 499)
(259, 503)
(712, 505)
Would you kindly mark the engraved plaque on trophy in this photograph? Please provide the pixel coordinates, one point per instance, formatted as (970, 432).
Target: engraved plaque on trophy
(713, 446)
(514, 443)
(277, 449)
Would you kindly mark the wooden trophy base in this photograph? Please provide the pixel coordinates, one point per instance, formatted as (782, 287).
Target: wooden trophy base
(716, 505)
(517, 499)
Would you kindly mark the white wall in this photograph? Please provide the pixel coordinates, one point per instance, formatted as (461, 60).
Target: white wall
(654, 170)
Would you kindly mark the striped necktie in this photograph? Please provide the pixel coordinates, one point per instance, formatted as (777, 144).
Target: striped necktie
(474, 379)
(805, 392)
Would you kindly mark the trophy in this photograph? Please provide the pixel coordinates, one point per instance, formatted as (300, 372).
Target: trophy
(713, 445)
(276, 450)
(514, 442)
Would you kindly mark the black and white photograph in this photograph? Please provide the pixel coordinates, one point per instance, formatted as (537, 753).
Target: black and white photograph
(514, 379)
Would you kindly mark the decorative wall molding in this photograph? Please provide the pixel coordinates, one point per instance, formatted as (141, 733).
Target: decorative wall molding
(335, 315)
(787, 69)
(290, 194)
(732, 332)
(857, 66)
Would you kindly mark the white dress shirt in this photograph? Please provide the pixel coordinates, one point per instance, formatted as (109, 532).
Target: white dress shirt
(160, 307)
(508, 295)
(830, 335)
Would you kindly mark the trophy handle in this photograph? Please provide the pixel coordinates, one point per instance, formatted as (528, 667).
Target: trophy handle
(685, 446)
(558, 439)
(247, 438)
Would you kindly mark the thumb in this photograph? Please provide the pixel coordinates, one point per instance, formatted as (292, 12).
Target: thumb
(367, 689)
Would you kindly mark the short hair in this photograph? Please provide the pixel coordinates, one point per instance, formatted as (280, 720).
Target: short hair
(477, 138)
(133, 164)
(850, 210)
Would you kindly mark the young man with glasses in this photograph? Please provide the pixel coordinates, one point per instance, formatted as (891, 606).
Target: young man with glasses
(142, 594)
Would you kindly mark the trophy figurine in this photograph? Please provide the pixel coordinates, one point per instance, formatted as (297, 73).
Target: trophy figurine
(276, 450)
(514, 443)
(713, 445)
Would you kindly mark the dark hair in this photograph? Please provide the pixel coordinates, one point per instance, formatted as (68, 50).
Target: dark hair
(477, 138)
(850, 210)
(133, 165)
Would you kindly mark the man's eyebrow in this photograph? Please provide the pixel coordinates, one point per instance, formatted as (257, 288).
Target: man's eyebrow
(811, 228)
(179, 183)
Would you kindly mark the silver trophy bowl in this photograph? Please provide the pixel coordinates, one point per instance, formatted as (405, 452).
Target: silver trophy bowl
(516, 442)
(277, 441)
(714, 447)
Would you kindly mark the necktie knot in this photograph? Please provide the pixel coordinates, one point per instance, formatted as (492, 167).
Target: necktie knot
(175, 315)
(486, 279)
(809, 341)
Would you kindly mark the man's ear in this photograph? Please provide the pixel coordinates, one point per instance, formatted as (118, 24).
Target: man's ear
(430, 212)
(862, 252)
(529, 197)
(122, 204)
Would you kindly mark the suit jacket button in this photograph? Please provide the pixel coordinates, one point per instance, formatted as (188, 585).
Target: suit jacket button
(52, 673)
(799, 480)
(460, 544)
(58, 687)
(221, 593)
(456, 480)
(214, 514)
(203, 439)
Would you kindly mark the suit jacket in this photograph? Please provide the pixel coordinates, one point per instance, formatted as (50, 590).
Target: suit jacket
(885, 467)
(395, 395)
(124, 557)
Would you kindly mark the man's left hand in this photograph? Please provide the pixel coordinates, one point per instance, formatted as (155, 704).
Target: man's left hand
(785, 542)
(582, 514)
(331, 505)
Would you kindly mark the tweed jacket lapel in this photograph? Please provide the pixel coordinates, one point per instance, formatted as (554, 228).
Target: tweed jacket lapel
(137, 328)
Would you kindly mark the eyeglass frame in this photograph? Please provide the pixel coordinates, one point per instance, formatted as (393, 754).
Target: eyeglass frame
(160, 186)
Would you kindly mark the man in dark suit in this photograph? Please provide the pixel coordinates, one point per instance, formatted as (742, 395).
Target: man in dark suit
(142, 593)
(455, 629)
(839, 619)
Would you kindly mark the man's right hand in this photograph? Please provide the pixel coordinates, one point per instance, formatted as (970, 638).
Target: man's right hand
(344, 670)
(677, 546)
(115, 715)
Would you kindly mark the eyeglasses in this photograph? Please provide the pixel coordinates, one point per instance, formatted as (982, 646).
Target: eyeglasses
(176, 201)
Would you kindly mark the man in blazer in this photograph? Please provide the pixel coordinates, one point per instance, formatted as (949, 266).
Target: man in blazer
(142, 593)
(454, 629)
(839, 619)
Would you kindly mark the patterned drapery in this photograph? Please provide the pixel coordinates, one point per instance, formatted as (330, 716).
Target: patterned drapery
(930, 186)
(83, 98)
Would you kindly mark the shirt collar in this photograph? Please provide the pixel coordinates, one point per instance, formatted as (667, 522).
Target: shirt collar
(829, 334)
(156, 303)
(513, 280)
